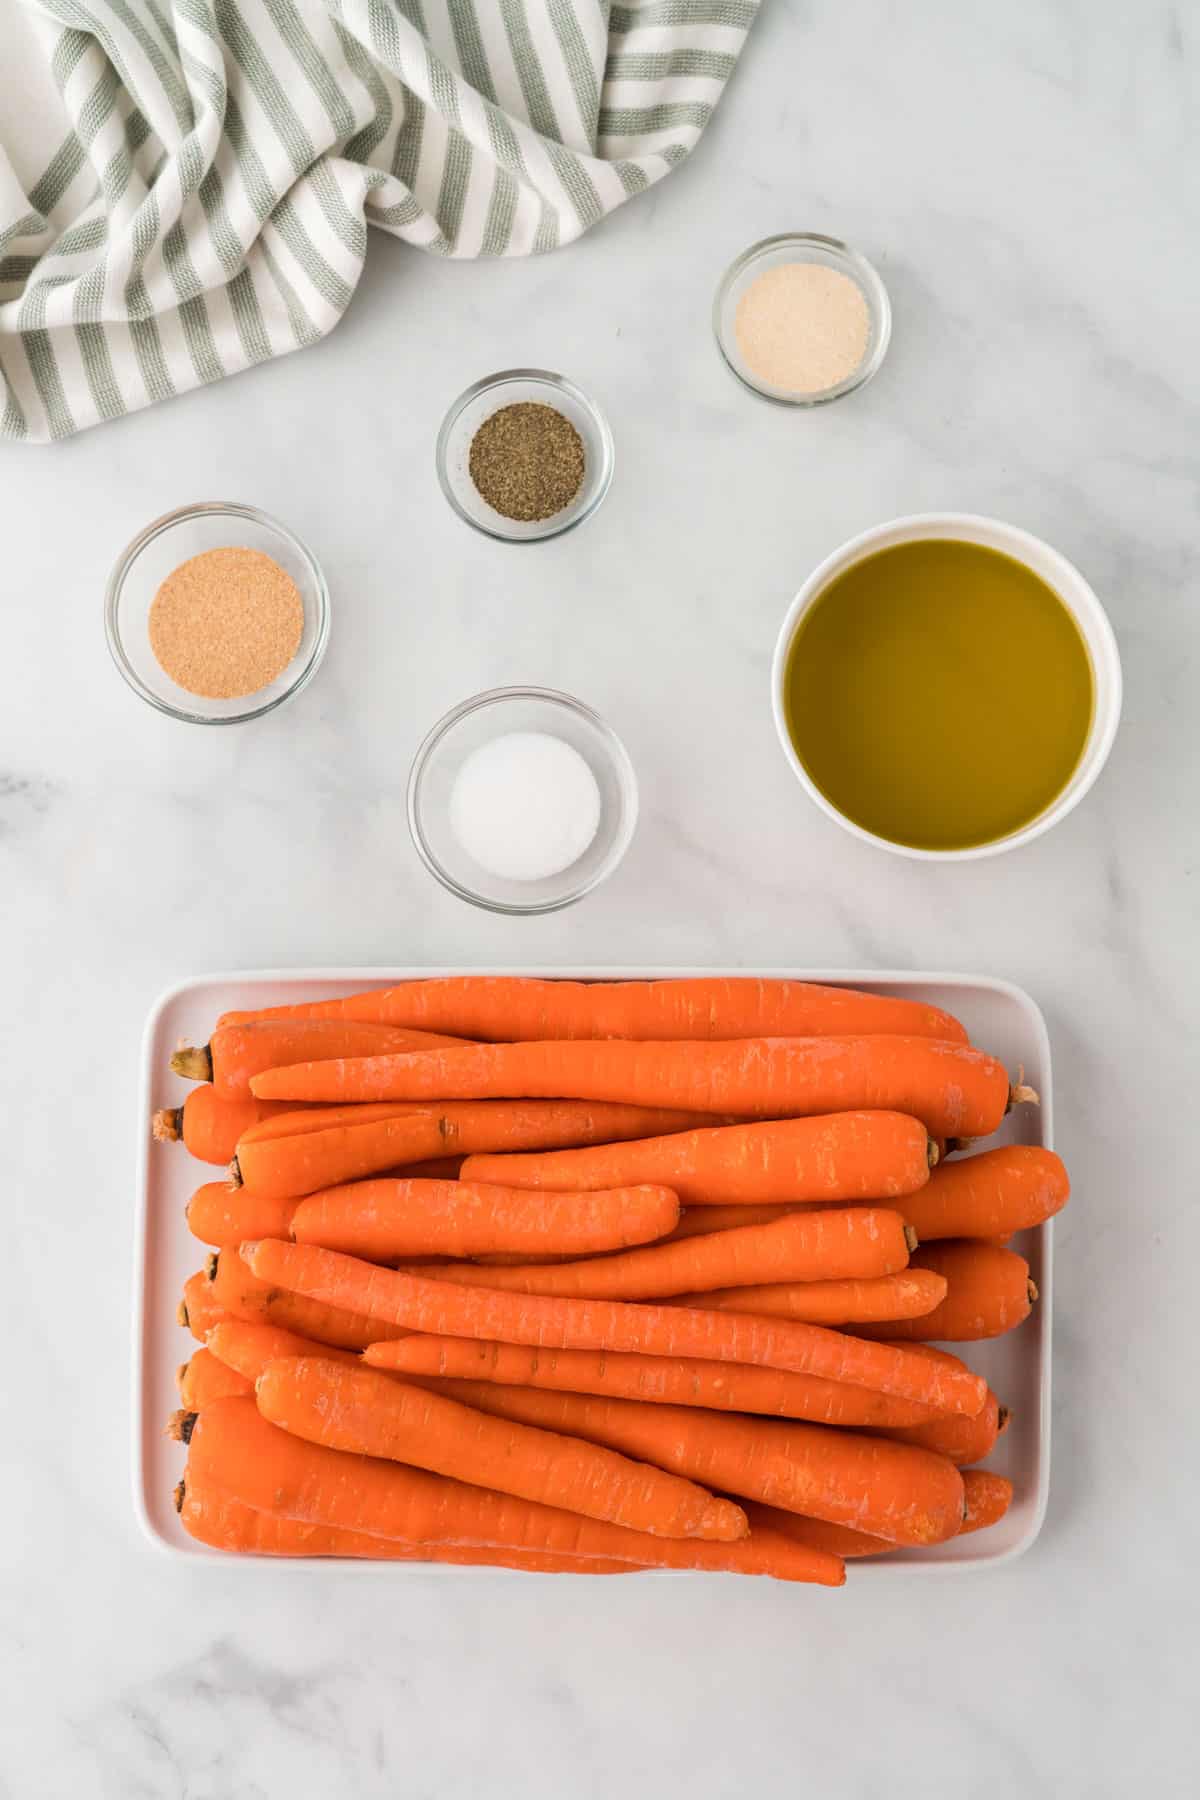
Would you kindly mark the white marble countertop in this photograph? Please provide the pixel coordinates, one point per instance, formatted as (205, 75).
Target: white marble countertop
(1021, 175)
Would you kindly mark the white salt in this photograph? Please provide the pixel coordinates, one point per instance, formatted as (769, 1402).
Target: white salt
(525, 806)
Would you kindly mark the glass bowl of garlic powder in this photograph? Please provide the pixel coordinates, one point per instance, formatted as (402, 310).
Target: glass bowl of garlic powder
(802, 319)
(522, 800)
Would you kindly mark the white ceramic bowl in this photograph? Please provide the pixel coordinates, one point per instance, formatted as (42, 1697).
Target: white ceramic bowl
(1057, 573)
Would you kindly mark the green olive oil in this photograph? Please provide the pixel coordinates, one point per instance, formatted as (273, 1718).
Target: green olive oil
(939, 694)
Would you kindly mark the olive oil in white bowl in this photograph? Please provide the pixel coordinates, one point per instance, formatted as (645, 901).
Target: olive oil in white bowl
(947, 686)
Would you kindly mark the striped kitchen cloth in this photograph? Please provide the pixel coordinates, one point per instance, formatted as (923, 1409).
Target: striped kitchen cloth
(208, 205)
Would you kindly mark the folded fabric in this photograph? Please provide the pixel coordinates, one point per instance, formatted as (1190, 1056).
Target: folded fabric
(208, 207)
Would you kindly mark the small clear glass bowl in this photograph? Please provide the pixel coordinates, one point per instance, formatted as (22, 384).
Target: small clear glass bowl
(160, 548)
(477, 721)
(509, 388)
(810, 247)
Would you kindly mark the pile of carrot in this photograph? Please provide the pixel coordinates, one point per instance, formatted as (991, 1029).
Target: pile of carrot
(593, 1278)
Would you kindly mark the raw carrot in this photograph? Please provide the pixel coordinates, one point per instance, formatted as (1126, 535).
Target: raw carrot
(951, 1088)
(247, 1349)
(508, 1008)
(989, 1292)
(386, 1220)
(844, 1156)
(235, 1449)
(906, 1295)
(661, 1380)
(371, 1414)
(236, 1052)
(210, 1128)
(211, 1517)
(452, 1311)
(236, 1291)
(892, 1490)
(963, 1441)
(331, 1145)
(702, 1221)
(218, 1214)
(203, 1378)
(986, 1499)
(198, 1310)
(808, 1247)
(991, 1194)
(326, 1147)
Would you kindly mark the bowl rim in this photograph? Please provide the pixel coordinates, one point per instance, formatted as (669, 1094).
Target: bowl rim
(874, 291)
(550, 379)
(167, 522)
(1071, 587)
(475, 703)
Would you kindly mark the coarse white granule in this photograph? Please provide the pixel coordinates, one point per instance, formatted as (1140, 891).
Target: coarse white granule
(802, 327)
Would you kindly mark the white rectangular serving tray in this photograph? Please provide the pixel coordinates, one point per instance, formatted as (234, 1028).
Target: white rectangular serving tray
(1000, 1017)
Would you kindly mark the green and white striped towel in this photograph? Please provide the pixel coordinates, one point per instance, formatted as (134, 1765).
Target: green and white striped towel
(208, 206)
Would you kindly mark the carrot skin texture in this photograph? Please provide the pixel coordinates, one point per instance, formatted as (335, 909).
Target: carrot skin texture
(909, 1496)
(852, 1156)
(324, 1147)
(702, 1221)
(198, 1309)
(203, 1379)
(722, 1387)
(386, 1220)
(239, 1051)
(247, 1348)
(986, 1499)
(988, 1293)
(423, 1305)
(953, 1089)
(220, 1215)
(906, 1295)
(811, 1246)
(991, 1194)
(987, 1496)
(509, 1008)
(233, 1447)
(234, 1291)
(369, 1414)
(212, 1518)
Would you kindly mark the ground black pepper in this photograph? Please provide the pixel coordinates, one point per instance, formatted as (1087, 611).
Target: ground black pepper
(527, 461)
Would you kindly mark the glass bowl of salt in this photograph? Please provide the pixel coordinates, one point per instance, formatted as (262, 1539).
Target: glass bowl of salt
(522, 800)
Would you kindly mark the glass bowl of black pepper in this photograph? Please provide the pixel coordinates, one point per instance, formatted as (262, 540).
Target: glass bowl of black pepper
(524, 455)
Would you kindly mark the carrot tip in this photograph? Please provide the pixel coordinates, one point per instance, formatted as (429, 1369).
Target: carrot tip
(181, 1315)
(166, 1127)
(233, 1175)
(1003, 1420)
(180, 1426)
(179, 1495)
(933, 1155)
(193, 1062)
(1031, 1290)
(1021, 1095)
(210, 1265)
(911, 1238)
(180, 1373)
